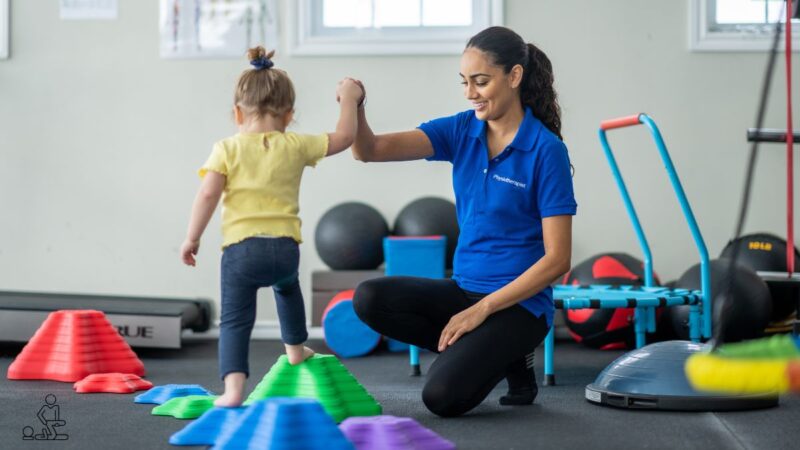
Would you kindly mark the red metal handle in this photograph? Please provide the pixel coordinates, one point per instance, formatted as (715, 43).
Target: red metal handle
(620, 122)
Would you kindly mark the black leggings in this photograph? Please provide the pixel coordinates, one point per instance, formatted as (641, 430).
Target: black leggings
(415, 311)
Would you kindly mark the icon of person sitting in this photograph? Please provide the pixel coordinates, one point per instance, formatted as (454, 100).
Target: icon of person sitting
(50, 416)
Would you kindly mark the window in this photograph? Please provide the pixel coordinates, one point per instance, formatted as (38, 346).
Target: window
(381, 27)
(737, 25)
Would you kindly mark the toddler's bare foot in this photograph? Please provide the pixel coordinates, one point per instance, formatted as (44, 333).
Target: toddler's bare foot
(234, 391)
(298, 353)
(229, 400)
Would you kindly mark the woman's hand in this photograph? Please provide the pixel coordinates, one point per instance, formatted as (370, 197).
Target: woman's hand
(461, 324)
(349, 89)
(363, 97)
(188, 250)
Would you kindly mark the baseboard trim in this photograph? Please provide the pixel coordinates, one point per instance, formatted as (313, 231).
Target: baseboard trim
(262, 330)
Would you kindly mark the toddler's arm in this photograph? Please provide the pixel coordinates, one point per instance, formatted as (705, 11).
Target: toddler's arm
(204, 205)
(348, 93)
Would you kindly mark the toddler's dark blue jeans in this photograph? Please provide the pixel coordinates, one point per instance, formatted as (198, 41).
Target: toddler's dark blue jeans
(247, 266)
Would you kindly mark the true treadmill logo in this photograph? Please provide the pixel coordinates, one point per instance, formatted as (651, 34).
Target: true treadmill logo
(138, 331)
(50, 418)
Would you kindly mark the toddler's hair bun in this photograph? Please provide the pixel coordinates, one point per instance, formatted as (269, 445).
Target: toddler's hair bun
(259, 58)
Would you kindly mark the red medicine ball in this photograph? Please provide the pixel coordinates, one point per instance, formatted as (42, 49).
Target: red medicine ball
(606, 329)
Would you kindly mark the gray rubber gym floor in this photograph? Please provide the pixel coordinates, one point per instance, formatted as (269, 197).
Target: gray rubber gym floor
(560, 418)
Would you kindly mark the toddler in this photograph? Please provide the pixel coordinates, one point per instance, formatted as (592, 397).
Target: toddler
(257, 174)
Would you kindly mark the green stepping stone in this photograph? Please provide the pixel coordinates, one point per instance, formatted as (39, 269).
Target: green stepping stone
(778, 346)
(188, 407)
(321, 377)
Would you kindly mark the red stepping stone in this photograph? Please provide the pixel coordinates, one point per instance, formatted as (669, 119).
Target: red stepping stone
(118, 383)
(793, 373)
(72, 344)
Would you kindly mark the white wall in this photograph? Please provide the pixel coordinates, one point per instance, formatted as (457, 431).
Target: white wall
(100, 139)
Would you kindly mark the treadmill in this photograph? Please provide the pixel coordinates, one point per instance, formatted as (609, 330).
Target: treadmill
(142, 321)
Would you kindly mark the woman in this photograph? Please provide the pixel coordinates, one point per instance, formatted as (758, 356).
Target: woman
(514, 201)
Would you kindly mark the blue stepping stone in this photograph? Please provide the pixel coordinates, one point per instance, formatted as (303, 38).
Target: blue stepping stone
(207, 428)
(162, 394)
(283, 423)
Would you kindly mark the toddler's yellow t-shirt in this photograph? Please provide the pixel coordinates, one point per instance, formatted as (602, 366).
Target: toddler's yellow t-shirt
(263, 173)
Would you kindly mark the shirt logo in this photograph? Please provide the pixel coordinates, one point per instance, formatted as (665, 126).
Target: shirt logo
(509, 181)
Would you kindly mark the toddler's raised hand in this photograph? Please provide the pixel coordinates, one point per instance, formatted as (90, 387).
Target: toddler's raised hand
(349, 89)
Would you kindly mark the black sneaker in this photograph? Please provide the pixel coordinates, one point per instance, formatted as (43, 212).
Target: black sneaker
(522, 387)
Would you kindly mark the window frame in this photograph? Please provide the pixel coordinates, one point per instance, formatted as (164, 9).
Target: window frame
(390, 41)
(5, 29)
(735, 38)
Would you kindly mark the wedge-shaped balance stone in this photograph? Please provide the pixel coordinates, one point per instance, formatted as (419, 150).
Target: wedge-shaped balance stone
(392, 433)
(71, 345)
(189, 407)
(780, 346)
(207, 428)
(116, 383)
(321, 377)
(284, 424)
(164, 393)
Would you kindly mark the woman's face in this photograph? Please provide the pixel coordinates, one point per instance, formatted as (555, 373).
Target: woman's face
(491, 91)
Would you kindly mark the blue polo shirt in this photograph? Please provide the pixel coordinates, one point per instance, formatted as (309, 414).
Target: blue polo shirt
(500, 203)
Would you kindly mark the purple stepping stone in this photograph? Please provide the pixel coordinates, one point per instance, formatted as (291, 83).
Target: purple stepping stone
(392, 433)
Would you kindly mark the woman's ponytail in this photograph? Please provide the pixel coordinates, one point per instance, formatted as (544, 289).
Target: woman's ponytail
(537, 92)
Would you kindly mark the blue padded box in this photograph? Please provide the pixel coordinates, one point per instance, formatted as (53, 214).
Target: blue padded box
(418, 256)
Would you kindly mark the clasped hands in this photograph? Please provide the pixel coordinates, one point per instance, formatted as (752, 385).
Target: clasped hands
(351, 88)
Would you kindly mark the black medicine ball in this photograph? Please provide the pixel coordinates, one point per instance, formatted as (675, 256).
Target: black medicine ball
(350, 236)
(767, 252)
